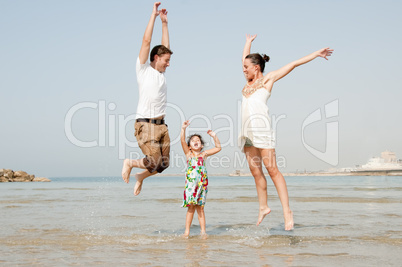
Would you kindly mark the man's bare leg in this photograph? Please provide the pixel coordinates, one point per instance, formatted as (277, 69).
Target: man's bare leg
(128, 165)
(140, 178)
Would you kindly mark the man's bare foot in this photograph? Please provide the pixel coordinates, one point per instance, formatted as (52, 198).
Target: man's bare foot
(138, 185)
(262, 215)
(289, 221)
(125, 173)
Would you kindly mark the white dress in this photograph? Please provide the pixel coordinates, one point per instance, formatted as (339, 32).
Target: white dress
(255, 120)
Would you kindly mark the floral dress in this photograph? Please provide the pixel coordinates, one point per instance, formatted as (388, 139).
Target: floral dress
(196, 190)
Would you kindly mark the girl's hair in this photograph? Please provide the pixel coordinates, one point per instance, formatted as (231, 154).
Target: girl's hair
(194, 135)
(258, 59)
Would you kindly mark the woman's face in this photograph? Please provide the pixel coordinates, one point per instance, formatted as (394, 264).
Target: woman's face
(195, 143)
(250, 70)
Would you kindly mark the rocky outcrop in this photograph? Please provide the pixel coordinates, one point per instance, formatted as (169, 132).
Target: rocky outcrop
(7, 175)
(41, 179)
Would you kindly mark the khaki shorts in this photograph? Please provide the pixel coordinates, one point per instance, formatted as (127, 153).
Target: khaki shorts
(154, 142)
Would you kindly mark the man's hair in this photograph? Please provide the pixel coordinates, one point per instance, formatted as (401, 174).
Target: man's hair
(159, 50)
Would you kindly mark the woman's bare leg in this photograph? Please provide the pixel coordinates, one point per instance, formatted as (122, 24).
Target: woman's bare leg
(269, 159)
(254, 162)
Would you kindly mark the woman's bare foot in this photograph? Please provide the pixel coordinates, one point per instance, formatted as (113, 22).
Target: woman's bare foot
(125, 173)
(262, 214)
(138, 184)
(289, 221)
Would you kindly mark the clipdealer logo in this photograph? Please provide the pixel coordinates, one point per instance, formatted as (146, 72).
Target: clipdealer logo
(331, 153)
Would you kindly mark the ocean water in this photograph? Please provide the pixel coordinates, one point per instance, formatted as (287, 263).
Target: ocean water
(339, 221)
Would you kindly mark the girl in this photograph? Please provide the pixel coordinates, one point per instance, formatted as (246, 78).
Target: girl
(196, 186)
(257, 140)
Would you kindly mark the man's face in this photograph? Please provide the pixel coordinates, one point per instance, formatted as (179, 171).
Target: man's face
(162, 62)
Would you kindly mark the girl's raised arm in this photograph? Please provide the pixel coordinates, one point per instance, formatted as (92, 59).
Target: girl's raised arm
(217, 147)
(276, 75)
(184, 145)
(247, 46)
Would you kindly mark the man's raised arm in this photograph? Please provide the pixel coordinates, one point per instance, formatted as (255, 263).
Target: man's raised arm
(165, 31)
(146, 40)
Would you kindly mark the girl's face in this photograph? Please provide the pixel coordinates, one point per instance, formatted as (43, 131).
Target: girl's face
(195, 143)
(250, 70)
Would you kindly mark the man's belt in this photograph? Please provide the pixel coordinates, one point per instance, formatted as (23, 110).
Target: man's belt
(157, 122)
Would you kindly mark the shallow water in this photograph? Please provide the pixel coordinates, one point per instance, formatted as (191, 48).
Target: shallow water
(97, 221)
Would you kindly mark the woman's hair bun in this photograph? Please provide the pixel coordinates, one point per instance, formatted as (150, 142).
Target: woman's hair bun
(265, 57)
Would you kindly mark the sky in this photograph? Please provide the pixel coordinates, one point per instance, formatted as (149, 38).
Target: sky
(68, 87)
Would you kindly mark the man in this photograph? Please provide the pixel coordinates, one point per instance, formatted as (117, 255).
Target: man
(150, 128)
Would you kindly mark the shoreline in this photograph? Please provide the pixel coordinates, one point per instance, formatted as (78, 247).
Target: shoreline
(351, 173)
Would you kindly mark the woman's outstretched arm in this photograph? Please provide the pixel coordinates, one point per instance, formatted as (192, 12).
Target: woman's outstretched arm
(247, 46)
(276, 75)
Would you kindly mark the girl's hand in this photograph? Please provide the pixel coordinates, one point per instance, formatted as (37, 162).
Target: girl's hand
(250, 38)
(185, 124)
(156, 11)
(325, 52)
(163, 15)
(211, 133)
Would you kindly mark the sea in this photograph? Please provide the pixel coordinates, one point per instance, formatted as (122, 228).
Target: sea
(97, 221)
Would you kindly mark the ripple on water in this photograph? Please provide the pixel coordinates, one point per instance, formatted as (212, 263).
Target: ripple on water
(346, 200)
(63, 188)
(377, 188)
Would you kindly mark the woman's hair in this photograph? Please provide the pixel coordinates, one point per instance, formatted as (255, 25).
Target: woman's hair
(159, 50)
(194, 135)
(258, 59)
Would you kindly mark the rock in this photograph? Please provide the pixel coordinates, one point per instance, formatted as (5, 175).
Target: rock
(8, 174)
(22, 179)
(41, 179)
(20, 174)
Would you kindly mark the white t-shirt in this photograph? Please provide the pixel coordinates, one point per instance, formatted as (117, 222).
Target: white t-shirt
(152, 91)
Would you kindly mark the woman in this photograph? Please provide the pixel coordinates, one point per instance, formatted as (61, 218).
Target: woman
(257, 139)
